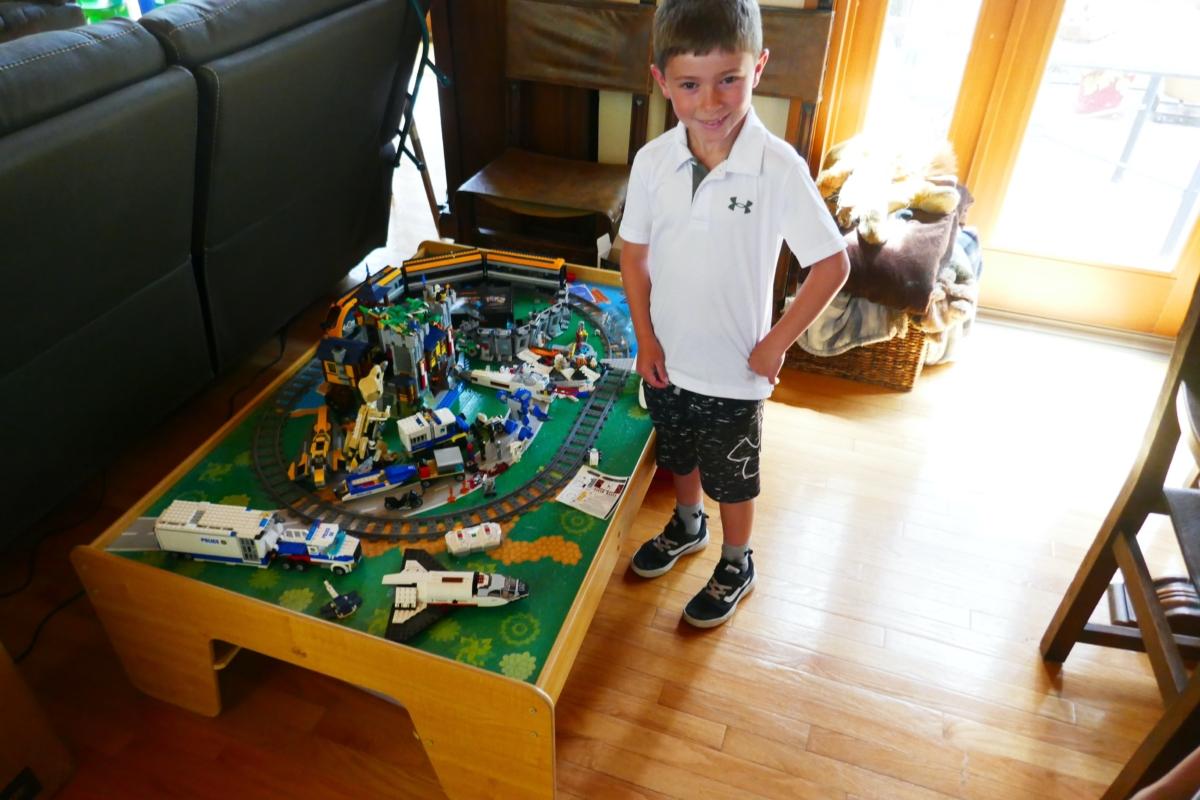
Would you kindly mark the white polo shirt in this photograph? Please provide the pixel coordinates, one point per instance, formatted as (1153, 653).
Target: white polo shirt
(712, 256)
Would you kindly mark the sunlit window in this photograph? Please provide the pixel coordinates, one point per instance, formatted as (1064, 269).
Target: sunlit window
(1109, 169)
(920, 66)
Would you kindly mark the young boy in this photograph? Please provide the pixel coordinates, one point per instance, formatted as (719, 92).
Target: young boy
(707, 206)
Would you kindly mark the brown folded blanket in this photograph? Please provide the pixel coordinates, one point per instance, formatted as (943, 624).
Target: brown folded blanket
(902, 272)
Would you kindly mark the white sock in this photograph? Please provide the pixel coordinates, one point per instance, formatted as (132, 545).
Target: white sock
(735, 553)
(691, 517)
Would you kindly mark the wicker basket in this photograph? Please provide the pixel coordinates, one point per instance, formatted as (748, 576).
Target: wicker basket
(895, 363)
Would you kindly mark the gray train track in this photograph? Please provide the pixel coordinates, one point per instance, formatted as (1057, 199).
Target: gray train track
(271, 463)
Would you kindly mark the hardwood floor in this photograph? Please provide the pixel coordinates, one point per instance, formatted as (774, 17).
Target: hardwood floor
(911, 549)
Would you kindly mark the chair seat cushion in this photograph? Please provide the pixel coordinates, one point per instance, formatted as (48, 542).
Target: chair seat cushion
(546, 185)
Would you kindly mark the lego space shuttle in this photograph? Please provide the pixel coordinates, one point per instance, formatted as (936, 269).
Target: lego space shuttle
(425, 591)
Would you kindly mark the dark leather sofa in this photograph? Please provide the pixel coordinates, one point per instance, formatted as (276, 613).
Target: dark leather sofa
(299, 102)
(171, 193)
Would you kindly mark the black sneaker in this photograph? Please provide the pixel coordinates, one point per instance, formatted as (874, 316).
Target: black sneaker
(656, 556)
(717, 601)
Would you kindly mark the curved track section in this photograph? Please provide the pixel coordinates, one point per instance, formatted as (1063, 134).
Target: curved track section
(610, 327)
(271, 464)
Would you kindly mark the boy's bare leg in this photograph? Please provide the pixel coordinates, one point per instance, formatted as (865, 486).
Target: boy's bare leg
(733, 577)
(737, 520)
(688, 491)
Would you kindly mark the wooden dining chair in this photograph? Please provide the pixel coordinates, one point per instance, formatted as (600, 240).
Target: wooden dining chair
(531, 198)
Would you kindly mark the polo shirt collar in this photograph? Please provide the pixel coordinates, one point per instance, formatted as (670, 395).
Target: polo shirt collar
(746, 157)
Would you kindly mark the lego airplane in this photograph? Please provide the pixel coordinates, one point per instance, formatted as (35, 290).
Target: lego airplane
(425, 591)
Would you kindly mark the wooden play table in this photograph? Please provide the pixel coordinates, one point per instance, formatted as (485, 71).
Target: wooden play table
(487, 734)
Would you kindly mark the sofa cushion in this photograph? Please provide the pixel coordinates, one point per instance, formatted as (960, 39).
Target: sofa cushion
(96, 390)
(23, 17)
(202, 30)
(95, 204)
(105, 334)
(46, 73)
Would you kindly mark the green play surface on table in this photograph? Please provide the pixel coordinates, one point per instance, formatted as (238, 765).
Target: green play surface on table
(550, 548)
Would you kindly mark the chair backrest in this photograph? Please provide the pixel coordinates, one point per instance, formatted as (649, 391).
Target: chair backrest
(798, 40)
(586, 45)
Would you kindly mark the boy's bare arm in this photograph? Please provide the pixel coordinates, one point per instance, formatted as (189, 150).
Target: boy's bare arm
(825, 279)
(635, 275)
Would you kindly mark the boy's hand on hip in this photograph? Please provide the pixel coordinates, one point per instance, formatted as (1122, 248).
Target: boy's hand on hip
(651, 363)
(767, 360)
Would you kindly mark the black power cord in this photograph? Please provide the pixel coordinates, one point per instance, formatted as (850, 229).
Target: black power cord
(33, 550)
(21, 656)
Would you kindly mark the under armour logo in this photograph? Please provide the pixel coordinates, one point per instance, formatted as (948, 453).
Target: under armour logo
(733, 203)
(742, 452)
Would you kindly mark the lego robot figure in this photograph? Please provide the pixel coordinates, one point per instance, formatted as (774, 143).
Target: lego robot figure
(319, 455)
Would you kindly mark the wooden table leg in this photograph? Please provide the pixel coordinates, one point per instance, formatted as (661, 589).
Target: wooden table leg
(163, 652)
(477, 755)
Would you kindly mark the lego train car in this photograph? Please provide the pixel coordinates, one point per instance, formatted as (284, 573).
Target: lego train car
(550, 273)
(451, 268)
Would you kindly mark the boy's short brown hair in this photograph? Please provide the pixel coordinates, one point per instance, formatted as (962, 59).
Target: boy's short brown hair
(698, 27)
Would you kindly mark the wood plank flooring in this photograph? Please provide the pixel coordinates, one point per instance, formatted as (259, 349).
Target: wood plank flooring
(911, 549)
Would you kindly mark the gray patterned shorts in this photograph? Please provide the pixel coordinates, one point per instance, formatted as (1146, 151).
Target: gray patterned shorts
(719, 435)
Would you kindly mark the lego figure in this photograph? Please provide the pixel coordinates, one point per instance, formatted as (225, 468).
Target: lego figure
(341, 605)
(319, 455)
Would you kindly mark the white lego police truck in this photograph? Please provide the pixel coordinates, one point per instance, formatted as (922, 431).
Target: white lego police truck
(235, 535)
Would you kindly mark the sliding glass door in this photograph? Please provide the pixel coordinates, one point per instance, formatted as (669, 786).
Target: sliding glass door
(1077, 127)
